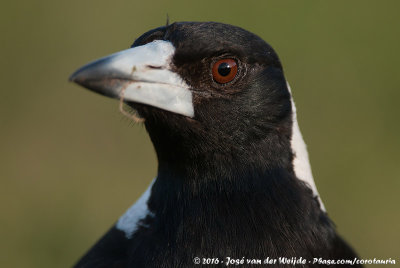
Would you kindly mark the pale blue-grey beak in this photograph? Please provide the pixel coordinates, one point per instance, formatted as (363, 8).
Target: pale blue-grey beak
(140, 74)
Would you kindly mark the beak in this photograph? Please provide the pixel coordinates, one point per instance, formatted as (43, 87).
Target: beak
(141, 74)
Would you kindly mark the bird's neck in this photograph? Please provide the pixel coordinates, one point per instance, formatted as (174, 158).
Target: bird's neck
(209, 174)
(230, 206)
(235, 167)
(264, 169)
(201, 156)
(234, 193)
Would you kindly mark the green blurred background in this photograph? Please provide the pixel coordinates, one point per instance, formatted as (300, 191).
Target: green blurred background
(71, 163)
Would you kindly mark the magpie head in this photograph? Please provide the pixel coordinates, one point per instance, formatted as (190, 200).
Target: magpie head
(201, 87)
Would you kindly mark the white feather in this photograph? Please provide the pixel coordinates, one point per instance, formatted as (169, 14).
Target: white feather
(301, 162)
(130, 221)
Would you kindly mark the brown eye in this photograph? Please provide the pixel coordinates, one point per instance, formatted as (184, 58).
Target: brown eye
(224, 70)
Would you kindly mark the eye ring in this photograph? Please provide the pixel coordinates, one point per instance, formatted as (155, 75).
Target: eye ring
(224, 70)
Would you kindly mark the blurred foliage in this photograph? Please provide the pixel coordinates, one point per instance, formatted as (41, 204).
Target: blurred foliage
(71, 163)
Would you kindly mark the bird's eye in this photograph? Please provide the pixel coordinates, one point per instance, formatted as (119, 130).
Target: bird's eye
(224, 70)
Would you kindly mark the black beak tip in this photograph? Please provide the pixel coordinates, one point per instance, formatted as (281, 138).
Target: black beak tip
(89, 79)
(71, 78)
(75, 77)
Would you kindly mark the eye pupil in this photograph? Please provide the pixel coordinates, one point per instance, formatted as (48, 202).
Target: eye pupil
(224, 69)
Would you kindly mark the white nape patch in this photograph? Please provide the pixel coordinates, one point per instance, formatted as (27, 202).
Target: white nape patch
(301, 161)
(130, 221)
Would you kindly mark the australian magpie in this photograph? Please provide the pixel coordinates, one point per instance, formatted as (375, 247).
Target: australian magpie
(234, 179)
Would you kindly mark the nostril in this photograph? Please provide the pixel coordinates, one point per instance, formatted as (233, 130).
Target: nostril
(154, 67)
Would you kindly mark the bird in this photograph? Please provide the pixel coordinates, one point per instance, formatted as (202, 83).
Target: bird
(234, 182)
